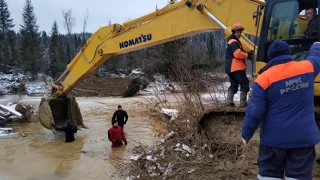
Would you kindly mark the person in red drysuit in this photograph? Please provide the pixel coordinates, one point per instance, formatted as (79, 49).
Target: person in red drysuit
(116, 135)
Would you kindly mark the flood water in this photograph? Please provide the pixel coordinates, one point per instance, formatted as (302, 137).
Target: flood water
(42, 155)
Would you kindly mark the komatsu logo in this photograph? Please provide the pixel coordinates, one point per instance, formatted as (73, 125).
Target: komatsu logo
(137, 40)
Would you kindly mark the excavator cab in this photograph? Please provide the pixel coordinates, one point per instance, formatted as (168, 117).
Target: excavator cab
(288, 21)
(295, 22)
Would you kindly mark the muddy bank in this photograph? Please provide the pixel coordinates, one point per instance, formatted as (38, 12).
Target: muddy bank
(94, 85)
(217, 154)
(41, 155)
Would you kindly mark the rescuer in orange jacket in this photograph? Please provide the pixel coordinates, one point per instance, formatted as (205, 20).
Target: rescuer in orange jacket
(116, 135)
(235, 66)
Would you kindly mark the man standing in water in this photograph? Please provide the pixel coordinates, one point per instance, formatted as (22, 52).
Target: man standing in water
(116, 135)
(119, 115)
(69, 130)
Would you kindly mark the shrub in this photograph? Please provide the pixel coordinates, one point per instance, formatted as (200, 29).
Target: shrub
(135, 86)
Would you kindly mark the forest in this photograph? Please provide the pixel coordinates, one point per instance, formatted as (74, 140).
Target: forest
(35, 51)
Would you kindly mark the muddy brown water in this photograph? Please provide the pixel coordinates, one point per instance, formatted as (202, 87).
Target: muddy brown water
(43, 155)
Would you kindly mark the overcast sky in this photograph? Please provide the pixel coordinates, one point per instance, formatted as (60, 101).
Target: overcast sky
(100, 11)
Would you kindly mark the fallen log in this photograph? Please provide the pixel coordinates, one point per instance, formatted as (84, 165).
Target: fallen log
(4, 114)
(20, 116)
(86, 90)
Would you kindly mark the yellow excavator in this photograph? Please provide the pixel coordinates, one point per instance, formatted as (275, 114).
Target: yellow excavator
(266, 20)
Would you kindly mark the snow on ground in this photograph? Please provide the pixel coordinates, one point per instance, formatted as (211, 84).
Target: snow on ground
(10, 82)
(160, 85)
(220, 92)
(37, 87)
(173, 113)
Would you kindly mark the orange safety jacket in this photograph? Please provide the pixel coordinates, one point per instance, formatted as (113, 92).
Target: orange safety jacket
(235, 56)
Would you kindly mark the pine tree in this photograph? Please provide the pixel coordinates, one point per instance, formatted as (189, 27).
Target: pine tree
(45, 50)
(6, 25)
(13, 46)
(56, 66)
(30, 41)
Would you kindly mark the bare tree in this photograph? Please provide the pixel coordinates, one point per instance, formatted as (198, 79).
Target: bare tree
(69, 21)
(86, 15)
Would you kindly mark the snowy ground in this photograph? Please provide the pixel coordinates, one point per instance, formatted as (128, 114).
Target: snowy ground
(8, 82)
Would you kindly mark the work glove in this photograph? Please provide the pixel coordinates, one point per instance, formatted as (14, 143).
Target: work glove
(245, 142)
(250, 55)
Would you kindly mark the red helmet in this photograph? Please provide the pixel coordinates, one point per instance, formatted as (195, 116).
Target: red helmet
(237, 27)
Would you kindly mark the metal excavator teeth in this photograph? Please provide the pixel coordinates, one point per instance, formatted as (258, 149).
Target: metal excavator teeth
(58, 110)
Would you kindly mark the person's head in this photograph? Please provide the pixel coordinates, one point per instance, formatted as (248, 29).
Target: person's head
(278, 48)
(115, 123)
(68, 122)
(237, 30)
(310, 13)
(119, 107)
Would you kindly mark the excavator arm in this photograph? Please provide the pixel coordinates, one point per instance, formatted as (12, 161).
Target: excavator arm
(175, 21)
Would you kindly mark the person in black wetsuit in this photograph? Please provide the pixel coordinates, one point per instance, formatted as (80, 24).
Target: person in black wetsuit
(69, 130)
(119, 115)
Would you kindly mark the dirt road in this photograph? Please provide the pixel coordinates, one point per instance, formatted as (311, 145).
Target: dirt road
(42, 155)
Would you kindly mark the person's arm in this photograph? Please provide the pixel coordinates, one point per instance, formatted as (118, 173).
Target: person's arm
(123, 137)
(314, 58)
(114, 115)
(57, 128)
(75, 129)
(237, 52)
(255, 111)
(312, 27)
(126, 116)
(110, 137)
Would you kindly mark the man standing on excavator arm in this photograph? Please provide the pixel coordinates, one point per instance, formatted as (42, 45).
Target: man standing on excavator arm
(235, 66)
(282, 103)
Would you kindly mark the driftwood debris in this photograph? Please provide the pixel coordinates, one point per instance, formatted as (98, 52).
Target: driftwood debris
(16, 112)
(6, 108)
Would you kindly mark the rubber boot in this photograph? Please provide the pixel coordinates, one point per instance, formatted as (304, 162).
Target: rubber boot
(229, 101)
(243, 99)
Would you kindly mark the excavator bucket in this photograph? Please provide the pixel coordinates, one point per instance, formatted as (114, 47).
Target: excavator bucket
(58, 110)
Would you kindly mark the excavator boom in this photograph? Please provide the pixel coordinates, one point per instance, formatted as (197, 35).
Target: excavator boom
(175, 21)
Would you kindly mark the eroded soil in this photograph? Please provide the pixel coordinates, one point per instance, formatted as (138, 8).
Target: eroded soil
(102, 86)
(228, 129)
